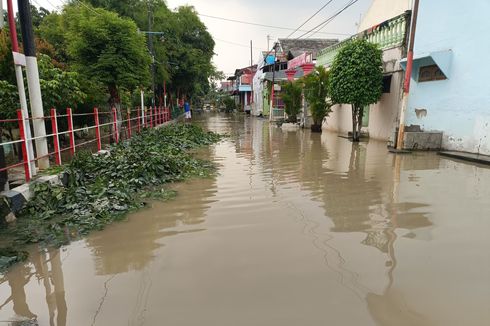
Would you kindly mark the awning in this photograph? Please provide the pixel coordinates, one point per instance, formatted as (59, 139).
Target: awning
(442, 59)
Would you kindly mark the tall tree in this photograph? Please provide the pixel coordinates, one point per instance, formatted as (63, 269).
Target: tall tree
(102, 47)
(357, 78)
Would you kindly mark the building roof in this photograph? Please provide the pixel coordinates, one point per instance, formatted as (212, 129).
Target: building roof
(299, 46)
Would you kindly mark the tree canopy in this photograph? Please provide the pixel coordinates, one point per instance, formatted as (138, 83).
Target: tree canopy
(356, 78)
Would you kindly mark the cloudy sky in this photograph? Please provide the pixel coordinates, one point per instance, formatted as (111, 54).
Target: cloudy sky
(233, 39)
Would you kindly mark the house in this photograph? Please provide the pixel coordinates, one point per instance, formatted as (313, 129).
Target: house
(449, 89)
(388, 22)
(243, 87)
(286, 50)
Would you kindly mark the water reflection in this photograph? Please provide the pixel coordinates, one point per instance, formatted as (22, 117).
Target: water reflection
(142, 233)
(46, 267)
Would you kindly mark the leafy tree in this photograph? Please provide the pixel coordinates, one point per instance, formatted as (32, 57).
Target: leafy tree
(229, 103)
(317, 96)
(60, 89)
(291, 96)
(356, 79)
(102, 47)
(7, 71)
(182, 54)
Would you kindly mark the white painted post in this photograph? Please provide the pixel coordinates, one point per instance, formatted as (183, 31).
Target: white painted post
(143, 108)
(33, 83)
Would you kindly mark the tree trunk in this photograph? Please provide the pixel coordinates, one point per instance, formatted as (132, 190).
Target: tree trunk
(115, 102)
(360, 114)
(355, 137)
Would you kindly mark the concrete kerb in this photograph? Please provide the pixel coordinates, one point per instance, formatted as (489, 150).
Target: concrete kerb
(12, 201)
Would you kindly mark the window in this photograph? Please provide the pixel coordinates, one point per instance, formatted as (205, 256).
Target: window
(387, 84)
(431, 73)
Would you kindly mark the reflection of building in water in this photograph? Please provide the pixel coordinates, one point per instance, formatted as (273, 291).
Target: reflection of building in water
(46, 265)
(357, 186)
(130, 245)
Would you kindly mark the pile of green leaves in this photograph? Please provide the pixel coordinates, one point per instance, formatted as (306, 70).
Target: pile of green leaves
(102, 188)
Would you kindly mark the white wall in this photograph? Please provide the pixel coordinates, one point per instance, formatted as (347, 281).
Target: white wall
(382, 10)
(383, 116)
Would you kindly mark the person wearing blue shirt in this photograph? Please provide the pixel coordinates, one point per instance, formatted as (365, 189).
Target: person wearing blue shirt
(187, 110)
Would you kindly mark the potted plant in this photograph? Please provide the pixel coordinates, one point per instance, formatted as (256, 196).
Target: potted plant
(317, 96)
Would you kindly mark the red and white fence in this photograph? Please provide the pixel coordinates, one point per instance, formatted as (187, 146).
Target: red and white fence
(119, 128)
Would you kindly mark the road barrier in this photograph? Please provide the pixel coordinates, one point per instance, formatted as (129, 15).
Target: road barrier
(119, 129)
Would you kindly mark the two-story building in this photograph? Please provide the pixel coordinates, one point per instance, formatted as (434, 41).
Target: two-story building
(386, 24)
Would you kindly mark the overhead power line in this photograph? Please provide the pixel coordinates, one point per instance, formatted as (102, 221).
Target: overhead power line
(311, 17)
(263, 25)
(318, 27)
(237, 44)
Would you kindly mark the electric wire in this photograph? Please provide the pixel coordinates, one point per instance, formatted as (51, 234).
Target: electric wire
(318, 27)
(262, 25)
(311, 17)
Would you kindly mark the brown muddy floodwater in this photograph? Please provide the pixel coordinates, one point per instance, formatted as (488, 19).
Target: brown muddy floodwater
(296, 229)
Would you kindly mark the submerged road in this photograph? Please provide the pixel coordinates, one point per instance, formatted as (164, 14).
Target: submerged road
(295, 229)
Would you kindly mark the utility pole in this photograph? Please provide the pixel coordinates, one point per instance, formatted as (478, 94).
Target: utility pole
(271, 113)
(150, 46)
(1, 14)
(408, 76)
(252, 102)
(19, 62)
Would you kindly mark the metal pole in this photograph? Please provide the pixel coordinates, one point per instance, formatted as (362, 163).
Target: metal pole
(129, 123)
(408, 76)
(150, 46)
(33, 82)
(251, 79)
(1, 14)
(19, 61)
(97, 129)
(164, 94)
(114, 121)
(273, 81)
(25, 158)
(56, 140)
(71, 133)
(143, 108)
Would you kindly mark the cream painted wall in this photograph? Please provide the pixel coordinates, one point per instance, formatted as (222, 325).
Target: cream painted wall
(383, 116)
(382, 10)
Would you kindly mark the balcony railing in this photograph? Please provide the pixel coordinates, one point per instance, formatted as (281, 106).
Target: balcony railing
(389, 34)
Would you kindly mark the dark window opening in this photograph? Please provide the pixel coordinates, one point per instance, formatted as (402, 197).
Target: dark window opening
(387, 84)
(431, 73)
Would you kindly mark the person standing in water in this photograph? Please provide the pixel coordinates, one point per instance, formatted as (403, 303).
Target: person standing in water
(187, 111)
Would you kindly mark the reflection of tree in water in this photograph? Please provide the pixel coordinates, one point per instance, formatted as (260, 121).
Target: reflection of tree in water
(46, 265)
(130, 245)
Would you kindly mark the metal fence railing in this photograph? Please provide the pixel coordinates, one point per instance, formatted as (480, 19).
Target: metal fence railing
(66, 137)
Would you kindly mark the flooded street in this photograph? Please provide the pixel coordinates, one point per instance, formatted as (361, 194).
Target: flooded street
(295, 229)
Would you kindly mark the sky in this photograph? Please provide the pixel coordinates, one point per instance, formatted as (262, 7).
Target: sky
(232, 49)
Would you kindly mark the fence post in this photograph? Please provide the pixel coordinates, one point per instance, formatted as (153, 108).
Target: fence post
(161, 115)
(151, 117)
(71, 133)
(56, 139)
(27, 163)
(138, 121)
(114, 123)
(97, 129)
(129, 123)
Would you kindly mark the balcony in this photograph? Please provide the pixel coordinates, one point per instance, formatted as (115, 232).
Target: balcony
(389, 34)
